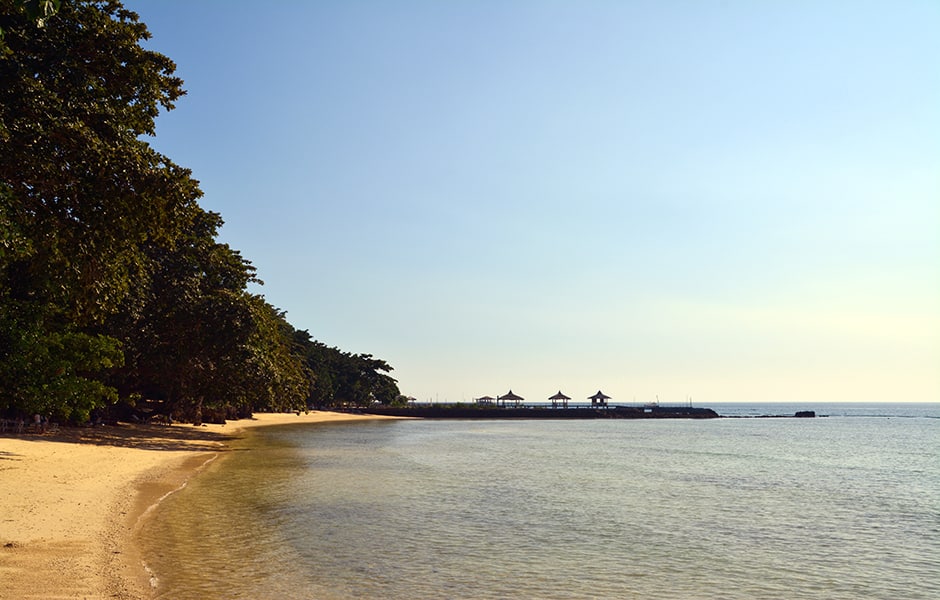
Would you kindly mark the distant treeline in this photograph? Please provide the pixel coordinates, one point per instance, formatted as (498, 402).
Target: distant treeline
(115, 295)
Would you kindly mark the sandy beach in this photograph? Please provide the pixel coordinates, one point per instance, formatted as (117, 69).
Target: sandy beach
(70, 501)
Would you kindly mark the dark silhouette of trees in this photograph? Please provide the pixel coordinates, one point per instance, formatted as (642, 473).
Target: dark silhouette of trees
(342, 379)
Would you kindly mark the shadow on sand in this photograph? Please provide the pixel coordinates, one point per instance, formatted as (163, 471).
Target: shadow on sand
(4, 455)
(144, 437)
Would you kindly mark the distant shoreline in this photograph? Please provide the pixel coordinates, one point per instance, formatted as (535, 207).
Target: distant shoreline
(528, 412)
(576, 413)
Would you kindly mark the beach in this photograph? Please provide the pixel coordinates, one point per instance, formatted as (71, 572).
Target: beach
(71, 501)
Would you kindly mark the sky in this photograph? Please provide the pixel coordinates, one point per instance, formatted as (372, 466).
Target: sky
(728, 201)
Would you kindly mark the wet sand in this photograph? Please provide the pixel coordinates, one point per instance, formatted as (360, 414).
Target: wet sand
(70, 501)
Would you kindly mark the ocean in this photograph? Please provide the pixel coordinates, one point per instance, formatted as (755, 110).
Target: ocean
(845, 506)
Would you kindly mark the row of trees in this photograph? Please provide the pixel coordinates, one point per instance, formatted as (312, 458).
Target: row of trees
(114, 290)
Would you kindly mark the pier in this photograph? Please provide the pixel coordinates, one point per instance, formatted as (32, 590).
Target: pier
(542, 411)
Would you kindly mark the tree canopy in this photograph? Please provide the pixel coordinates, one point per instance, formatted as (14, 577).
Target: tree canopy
(114, 290)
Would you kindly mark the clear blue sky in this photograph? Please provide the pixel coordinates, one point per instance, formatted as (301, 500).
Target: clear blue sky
(734, 201)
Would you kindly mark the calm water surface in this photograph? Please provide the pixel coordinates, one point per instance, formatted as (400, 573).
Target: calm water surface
(840, 507)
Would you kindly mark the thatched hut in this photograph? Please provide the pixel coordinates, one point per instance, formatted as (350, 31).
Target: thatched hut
(559, 397)
(599, 399)
(510, 397)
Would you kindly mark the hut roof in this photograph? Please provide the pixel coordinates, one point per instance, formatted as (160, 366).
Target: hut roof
(599, 396)
(559, 396)
(510, 396)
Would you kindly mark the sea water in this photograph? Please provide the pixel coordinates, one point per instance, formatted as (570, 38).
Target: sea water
(841, 507)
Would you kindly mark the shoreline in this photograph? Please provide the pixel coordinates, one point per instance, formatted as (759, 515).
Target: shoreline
(72, 501)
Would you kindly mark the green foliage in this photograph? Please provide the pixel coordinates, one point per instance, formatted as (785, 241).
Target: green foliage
(344, 379)
(51, 370)
(400, 401)
(76, 95)
(37, 11)
(112, 282)
(13, 244)
(79, 193)
(196, 339)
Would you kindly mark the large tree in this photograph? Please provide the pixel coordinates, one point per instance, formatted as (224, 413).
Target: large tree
(111, 278)
(77, 95)
(79, 191)
(197, 341)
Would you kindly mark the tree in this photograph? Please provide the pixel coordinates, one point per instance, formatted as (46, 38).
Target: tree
(79, 192)
(198, 341)
(54, 372)
(272, 373)
(111, 279)
(37, 11)
(345, 379)
(77, 95)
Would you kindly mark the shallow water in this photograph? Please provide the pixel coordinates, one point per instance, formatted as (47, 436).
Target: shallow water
(835, 507)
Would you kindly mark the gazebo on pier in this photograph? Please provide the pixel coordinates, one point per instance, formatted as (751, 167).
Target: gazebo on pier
(510, 397)
(559, 397)
(599, 399)
(486, 401)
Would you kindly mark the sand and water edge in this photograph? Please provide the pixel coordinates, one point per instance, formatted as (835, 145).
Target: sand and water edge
(72, 501)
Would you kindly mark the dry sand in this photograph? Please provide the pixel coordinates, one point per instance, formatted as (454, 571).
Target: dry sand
(70, 501)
